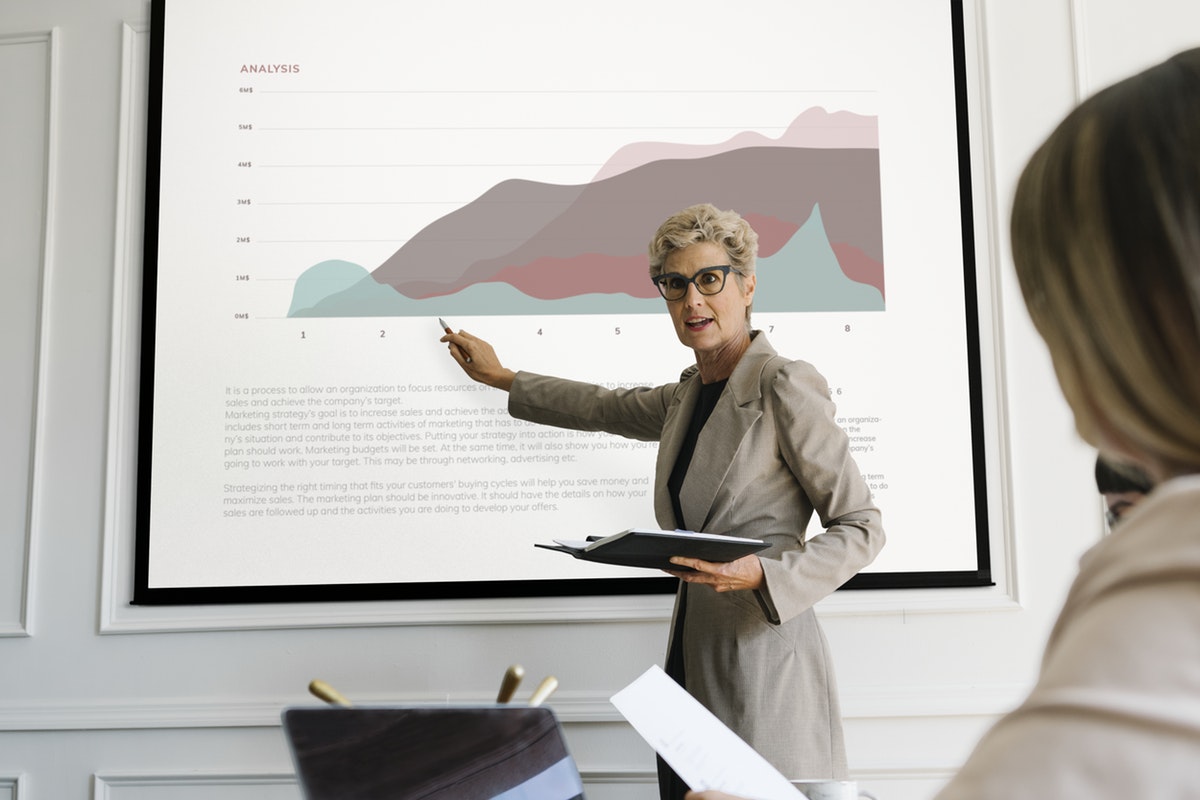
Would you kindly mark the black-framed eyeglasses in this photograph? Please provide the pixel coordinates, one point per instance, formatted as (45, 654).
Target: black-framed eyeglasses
(708, 281)
(1117, 510)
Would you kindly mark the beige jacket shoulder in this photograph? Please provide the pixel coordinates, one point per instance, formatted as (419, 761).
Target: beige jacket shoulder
(1115, 712)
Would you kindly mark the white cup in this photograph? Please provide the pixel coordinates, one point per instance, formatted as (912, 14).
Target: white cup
(830, 790)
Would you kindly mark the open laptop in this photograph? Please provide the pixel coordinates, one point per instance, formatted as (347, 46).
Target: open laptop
(497, 752)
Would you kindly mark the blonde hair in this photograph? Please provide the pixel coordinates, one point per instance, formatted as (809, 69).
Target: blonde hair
(1106, 241)
(707, 223)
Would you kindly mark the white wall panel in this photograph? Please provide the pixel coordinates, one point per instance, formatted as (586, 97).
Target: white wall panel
(1115, 40)
(26, 97)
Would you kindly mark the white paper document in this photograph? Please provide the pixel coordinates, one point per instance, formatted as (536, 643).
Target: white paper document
(697, 745)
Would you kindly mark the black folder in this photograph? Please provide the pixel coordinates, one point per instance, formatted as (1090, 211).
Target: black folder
(496, 752)
(651, 548)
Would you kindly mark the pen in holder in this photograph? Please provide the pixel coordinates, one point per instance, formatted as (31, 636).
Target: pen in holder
(330, 695)
(544, 690)
(510, 682)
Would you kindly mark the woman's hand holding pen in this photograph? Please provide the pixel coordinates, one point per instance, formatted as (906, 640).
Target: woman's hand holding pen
(743, 573)
(478, 359)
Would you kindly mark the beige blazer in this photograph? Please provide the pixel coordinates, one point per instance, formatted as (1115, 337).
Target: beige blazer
(1115, 713)
(769, 457)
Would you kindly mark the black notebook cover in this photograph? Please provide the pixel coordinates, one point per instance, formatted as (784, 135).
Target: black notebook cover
(643, 547)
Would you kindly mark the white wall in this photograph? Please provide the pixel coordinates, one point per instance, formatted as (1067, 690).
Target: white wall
(101, 699)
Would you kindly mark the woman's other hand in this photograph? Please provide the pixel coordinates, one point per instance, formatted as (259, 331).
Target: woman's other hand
(744, 573)
(478, 360)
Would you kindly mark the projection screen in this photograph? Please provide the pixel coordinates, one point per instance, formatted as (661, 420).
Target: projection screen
(328, 179)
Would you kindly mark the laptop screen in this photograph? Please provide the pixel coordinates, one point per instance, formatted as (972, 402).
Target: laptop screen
(437, 752)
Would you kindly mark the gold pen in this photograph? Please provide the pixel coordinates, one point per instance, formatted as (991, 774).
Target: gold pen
(512, 679)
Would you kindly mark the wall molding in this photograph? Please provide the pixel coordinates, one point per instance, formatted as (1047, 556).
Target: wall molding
(618, 777)
(520, 611)
(1079, 49)
(39, 479)
(572, 709)
(13, 786)
(120, 476)
(117, 616)
(108, 785)
(928, 778)
(21, 625)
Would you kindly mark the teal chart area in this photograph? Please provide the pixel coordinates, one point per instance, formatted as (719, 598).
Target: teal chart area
(525, 247)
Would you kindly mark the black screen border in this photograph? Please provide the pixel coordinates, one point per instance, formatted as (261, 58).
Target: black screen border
(144, 594)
